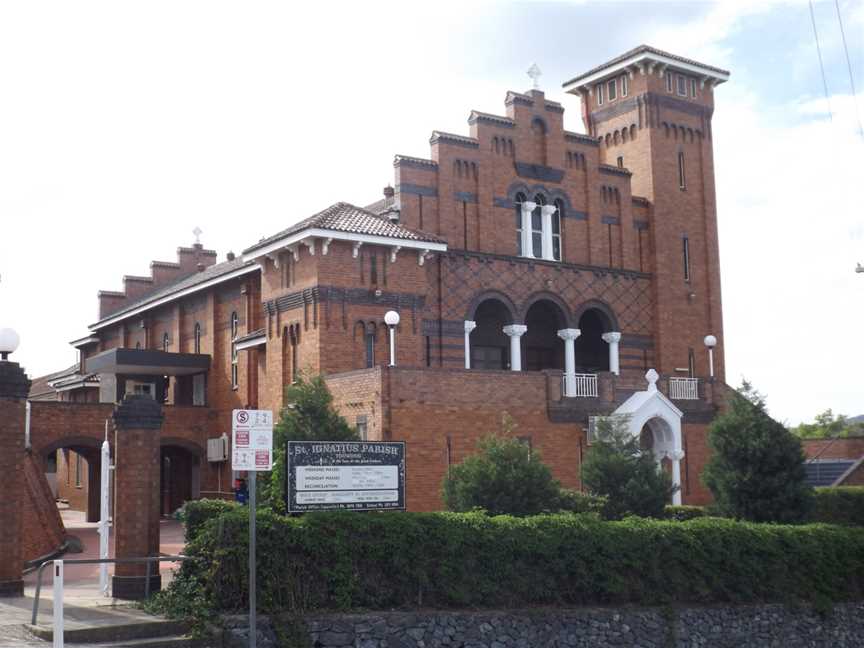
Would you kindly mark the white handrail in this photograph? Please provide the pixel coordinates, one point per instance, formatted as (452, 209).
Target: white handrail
(683, 388)
(585, 385)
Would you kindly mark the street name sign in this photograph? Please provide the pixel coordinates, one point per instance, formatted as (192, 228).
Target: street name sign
(346, 475)
(251, 440)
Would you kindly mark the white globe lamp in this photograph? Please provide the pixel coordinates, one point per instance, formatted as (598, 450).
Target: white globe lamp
(710, 342)
(9, 341)
(391, 319)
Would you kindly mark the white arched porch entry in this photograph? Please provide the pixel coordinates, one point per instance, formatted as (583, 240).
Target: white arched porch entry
(650, 410)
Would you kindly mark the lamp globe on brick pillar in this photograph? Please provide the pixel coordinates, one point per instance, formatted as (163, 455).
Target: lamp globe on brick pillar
(9, 341)
(391, 319)
(710, 342)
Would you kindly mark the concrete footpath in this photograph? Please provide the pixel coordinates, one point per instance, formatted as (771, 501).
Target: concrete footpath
(84, 606)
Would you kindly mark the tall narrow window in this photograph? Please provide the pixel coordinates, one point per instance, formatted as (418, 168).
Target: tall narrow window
(537, 227)
(691, 363)
(373, 268)
(686, 253)
(295, 352)
(428, 350)
(620, 161)
(668, 81)
(556, 229)
(370, 349)
(166, 341)
(77, 470)
(625, 85)
(520, 198)
(682, 179)
(465, 223)
(682, 85)
(197, 337)
(613, 90)
(693, 88)
(599, 94)
(362, 427)
(235, 327)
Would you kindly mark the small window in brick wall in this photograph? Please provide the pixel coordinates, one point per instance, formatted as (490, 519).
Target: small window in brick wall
(166, 342)
(362, 427)
(373, 268)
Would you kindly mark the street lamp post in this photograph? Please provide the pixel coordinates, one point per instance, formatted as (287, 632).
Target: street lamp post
(391, 319)
(710, 342)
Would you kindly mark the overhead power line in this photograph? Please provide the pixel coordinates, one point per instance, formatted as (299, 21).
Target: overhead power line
(821, 66)
(848, 64)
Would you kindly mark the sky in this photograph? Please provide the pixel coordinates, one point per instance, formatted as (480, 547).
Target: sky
(126, 125)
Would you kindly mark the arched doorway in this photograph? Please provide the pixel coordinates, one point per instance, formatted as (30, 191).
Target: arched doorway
(543, 348)
(76, 463)
(489, 344)
(180, 472)
(658, 437)
(592, 352)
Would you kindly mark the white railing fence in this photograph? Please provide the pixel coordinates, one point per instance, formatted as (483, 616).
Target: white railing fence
(583, 385)
(683, 388)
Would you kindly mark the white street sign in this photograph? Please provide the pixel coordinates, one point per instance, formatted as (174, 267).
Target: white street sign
(252, 440)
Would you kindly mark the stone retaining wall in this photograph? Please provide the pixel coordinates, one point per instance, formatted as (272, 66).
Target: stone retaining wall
(738, 626)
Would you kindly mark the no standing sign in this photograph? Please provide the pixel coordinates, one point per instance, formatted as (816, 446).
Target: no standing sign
(252, 440)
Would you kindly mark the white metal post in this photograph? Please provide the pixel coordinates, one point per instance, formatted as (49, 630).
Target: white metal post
(710, 362)
(392, 346)
(58, 604)
(103, 517)
(253, 638)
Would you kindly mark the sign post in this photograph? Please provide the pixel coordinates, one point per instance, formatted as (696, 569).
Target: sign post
(252, 450)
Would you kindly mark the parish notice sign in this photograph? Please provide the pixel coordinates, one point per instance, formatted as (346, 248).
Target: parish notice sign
(349, 475)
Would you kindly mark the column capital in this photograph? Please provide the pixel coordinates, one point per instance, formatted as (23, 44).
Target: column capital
(613, 337)
(569, 333)
(548, 210)
(676, 455)
(13, 381)
(470, 326)
(528, 206)
(515, 330)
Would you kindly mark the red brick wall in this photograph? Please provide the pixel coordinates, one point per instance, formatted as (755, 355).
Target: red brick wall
(42, 530)
(74, 492)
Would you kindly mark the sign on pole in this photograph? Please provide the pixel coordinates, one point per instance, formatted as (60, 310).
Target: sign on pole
(350, 475)
(252, 440)
(252, 451)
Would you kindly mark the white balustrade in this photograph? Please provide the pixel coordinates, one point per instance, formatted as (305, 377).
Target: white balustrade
(683, 388)
(584, 386)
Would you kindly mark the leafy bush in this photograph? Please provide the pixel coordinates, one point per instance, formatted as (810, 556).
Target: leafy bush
(195, 513)
(839, 505)
(683, 513)
(628, 477)
(504, 477)
(382, 560)
(756, 471)
(573, 501)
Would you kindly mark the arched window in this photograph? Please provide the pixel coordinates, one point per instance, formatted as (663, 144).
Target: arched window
(370, 347)
(235, 327)
(538, 129)
(166, 342)
(537, 227)
(197, 343)
(520, 198)
(556, 229)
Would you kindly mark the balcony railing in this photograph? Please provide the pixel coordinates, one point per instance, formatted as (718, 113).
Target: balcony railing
(683, 388)
(584, 385)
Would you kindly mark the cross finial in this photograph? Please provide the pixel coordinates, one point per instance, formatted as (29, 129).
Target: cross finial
(534, 73)
(197, 232)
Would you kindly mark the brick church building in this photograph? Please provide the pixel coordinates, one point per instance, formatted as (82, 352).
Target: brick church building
(547, 274)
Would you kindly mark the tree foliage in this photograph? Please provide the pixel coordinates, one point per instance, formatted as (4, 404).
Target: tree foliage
(827, 425)
(308, 415)
(504, 477)
(628, 477)
(756, 471)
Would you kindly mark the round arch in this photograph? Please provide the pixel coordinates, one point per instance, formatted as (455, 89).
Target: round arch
(180, 472)
(566, 320)
(595, 304)
(486, 295)
(83, 442)
(545, 315)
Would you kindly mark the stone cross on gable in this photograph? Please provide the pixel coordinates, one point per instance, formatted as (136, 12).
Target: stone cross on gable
(197, 232)
(534, 73)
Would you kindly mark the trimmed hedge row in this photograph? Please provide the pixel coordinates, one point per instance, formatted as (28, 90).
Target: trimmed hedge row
(384, 560)
(839, 505)
(195, 513)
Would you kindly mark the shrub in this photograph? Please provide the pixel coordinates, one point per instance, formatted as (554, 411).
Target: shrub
(195, 513)
(629, 478)
(839, 505)
(756, 471)
(683, 513)
(573, 501)
(504, 477)
(382, 560)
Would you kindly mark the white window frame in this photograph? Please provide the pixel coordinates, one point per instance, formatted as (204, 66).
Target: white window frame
(692, 88)
(670, 83)
(681, 85)
(235, 373)
(546, 230)
(612, 86)
(682, 171)
(599, 94)
(625, 85)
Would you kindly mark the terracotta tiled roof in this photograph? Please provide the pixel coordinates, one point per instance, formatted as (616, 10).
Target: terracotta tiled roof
(640, 50)
(344, 217)
(39, 388)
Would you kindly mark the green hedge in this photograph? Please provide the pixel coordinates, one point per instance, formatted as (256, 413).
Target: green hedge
(386, 560)
(195, 513)
(682, 513)
(839, 505)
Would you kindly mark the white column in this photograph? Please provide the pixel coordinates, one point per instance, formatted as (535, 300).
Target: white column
(527, 246)
(676, 456)
(569, 336)
(710, 362)
(469, 326)
(515, 332)
(392, 345)
(613, 339)
(105, 485)
(547, 211)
